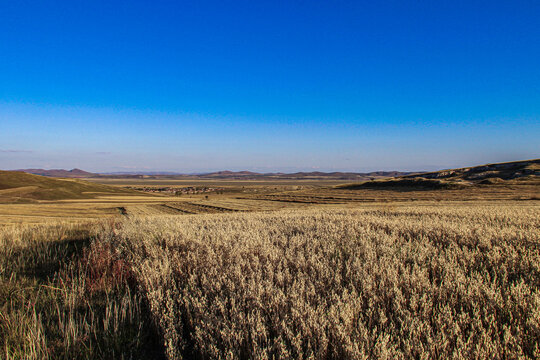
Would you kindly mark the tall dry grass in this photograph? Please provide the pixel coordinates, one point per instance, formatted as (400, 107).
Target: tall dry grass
(452, 281)
(64, 295)
(405, 282)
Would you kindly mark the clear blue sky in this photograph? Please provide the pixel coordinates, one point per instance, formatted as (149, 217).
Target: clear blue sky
(268, 85)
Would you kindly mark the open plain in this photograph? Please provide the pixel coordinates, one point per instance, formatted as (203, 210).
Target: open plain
(304, 269)
(274, 180)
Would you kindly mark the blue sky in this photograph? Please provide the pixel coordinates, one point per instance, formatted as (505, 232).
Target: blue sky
(268, 85)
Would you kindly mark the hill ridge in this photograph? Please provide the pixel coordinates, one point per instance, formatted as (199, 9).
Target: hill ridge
(16, 186)
(73, 173)
(506, 173)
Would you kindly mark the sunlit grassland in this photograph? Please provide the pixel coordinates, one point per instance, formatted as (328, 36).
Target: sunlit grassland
(396, 282)
(393, 280)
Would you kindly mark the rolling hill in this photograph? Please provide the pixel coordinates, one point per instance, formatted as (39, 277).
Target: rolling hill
(489, 173)
(525, 172)
(73, 173)
(16, 186)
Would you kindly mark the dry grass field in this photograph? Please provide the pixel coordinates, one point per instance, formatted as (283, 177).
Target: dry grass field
(390, 282)
(65, 296)
(275, 271)
(421, 280)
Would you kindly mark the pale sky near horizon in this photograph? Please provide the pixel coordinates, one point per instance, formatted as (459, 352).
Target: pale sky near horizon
(268, 86)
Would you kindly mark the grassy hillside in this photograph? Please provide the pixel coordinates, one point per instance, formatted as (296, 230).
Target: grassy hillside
(18, 186)
(515, 170)
(525, 172)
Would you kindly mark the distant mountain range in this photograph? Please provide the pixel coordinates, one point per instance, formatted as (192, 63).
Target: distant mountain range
(73, 173)
(489, 172)
(121, 173)
(230, 175)
(19, 186)
(314, 175)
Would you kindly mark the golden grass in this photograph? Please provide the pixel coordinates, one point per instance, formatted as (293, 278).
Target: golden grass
(103, 207)
(340, 195)
(394, 282)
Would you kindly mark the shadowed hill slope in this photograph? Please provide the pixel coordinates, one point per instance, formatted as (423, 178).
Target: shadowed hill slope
(516, 170)
(18, 186)
(526, 172)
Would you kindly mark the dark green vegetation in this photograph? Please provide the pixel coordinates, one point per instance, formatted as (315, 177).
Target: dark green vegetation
(18, 186)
